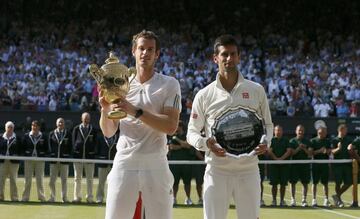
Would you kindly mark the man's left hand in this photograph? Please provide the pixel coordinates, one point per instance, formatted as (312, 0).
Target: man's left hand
(261, 149)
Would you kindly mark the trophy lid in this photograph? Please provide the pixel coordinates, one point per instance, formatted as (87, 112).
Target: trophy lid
(113, 59)
(112, 65)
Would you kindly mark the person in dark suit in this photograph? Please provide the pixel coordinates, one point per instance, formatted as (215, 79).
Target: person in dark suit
(59, 147)
(84, 141)
(35, 145)
(9, 146)
(106, 151)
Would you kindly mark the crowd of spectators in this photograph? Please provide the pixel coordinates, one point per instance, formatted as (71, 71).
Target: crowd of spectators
(307, 70)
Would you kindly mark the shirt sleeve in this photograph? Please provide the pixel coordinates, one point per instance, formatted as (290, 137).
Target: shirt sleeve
(174, 95)
(266, 115)
(196, 124)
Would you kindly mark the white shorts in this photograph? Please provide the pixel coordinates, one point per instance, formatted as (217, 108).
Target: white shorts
(219, 188)
(123, 192)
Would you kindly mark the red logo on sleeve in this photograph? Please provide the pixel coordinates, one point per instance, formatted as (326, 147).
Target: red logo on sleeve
(245, 95)
(194, 115)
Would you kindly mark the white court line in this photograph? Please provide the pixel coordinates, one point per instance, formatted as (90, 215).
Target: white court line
(324, 209)
(310, 193)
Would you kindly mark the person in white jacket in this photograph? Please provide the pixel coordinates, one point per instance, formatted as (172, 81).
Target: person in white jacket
(226, 176)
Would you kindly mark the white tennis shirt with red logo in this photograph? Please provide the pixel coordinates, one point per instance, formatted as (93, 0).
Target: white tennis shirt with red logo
(213, 100)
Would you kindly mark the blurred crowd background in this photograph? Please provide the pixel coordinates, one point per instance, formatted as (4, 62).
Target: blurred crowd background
(305, 53)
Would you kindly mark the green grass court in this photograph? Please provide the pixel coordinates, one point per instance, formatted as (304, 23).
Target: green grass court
(37, 210)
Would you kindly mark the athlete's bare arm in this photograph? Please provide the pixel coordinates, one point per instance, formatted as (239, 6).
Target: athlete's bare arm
(108, 126)
(167, 121)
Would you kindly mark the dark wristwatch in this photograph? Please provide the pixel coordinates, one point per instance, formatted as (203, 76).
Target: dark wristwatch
(138, 113)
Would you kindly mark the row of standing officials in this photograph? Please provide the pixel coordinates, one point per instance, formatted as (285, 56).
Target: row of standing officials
(83, 142)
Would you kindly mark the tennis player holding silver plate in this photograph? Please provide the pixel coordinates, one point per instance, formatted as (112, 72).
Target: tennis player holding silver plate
(226, 123)
(239, 131)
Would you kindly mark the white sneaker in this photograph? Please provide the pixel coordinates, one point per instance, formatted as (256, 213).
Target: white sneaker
(283, 203)
(188, 201)
(304, 203)
(341, 204)
(314, 203)
(293, 203)
(327, 203)
(262, 203)
(174, 201)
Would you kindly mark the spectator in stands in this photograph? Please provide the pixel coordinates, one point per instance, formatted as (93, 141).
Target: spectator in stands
(60, 146)
(9, 146)
(321, 149)
(291, 110)
(300, 151)
(342, 110)
(53, 103)
(322, 109)
(84, 142)
(179, 149)
(280, 105)
(353, 109)
(342, 171)
(321, 59)
(106, 151)
(280, 149)
(34, 144)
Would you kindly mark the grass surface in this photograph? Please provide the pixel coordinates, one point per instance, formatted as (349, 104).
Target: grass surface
(37, 210)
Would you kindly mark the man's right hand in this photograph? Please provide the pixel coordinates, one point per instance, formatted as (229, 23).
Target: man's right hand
(339, 145)
(218, 151)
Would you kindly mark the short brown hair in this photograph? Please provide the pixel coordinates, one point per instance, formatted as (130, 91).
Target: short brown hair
(147, 35)
(225, 40)
(341, 126)
(36, 122)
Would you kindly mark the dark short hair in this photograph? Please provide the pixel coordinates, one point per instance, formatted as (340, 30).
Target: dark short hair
(225, 40)
(279, 126)
(36, 122)
(341, 126)
(147, 35)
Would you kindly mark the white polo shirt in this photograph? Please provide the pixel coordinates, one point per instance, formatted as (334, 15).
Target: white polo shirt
(139, 146)
(214, 99)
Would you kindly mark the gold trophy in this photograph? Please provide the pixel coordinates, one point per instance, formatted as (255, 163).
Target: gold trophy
(113, 79)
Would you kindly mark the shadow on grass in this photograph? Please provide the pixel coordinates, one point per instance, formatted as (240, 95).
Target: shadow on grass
(37, 203)
(278, 207)
(310, 208)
